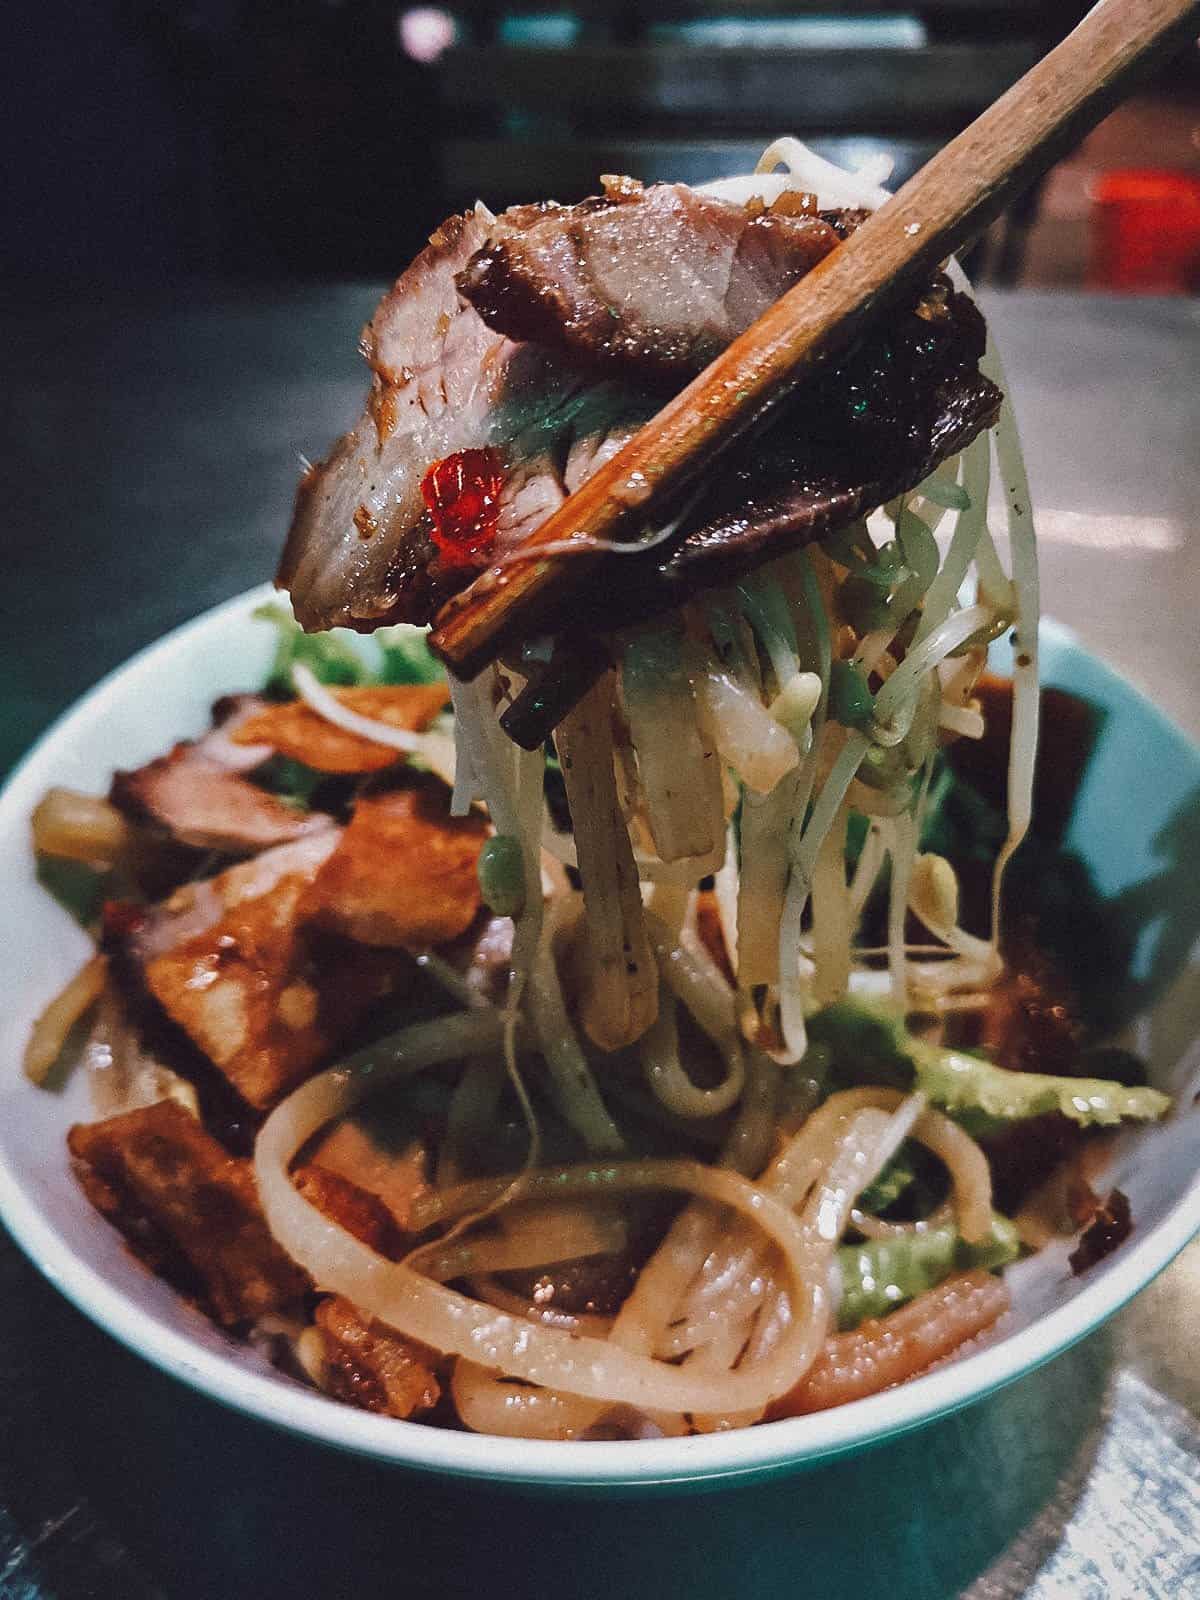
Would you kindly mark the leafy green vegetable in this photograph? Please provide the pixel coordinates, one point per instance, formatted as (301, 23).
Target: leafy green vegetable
(78, 888)
(406, 657)
(866, 1045)
(293, 782)
(881, 1274)
(870, 1045)
(896, 1179)
(963, 1083)
(330, 658)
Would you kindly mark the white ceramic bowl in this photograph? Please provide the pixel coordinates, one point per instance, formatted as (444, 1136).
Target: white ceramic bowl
(1139, 803)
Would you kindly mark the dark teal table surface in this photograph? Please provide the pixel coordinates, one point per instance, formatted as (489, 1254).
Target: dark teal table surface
(150, 454)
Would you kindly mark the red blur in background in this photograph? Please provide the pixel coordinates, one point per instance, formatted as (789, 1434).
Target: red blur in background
(1146, 232)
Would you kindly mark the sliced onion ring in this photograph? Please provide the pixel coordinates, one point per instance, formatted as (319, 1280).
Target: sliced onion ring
(453, 1323)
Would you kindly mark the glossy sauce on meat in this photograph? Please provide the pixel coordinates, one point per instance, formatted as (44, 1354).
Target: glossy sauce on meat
(548, 336)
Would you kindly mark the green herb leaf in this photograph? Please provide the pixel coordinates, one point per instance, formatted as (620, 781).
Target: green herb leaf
(881, 1274)
(330, 657)
(872, 1046)
(406, 656)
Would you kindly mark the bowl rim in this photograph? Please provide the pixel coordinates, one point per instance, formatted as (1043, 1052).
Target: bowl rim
(751, 1452)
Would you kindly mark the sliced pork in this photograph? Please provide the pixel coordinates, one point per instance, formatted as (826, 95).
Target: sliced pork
(517, 354)
(200, 802)
(188, 1208)
(360, 551)
(232, 964)
(370, 1365)
(869, 429)
(651, 282)
(404, 873)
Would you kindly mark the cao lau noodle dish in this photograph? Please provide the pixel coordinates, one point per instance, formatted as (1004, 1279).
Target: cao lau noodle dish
(709, 1063)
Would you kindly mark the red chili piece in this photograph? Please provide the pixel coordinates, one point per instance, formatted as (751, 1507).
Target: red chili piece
(462, 493)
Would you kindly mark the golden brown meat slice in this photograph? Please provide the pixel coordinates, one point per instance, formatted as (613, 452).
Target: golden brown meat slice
(189, 1209)
(370, 1365)
(264, 999)
(395, 1172)
(352, 1207)
(404, 873)
(292, 729)
(654, 282)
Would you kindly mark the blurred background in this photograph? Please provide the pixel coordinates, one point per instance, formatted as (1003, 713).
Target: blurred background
(323, 139)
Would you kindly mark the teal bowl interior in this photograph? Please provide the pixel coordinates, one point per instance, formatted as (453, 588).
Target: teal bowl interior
(1135, 822)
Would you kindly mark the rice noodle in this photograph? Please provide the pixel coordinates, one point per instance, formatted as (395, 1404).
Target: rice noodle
(451, 1322)
(572, 1081)
(548, 1235)
(486, 1287)
(668, 1079)
(487, 1403)
(688, 872)
(679, 774)
(807, 1172)
(753, 1130)
(645, 1315)
(620, 990)
(872, 1227)
(694, 978)
(735, 1281)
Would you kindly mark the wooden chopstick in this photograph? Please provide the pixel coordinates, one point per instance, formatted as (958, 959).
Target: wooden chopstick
(961, 189)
